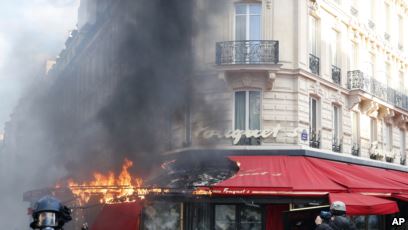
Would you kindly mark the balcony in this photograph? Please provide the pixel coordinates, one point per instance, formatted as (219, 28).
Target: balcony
(357, 80)
(247, 52)
(314, 138)
(314, 64)
(336, 74)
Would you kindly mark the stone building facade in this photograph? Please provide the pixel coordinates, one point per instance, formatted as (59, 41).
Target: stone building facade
(334, 71)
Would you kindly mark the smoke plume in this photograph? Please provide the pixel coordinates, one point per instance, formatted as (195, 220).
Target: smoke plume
(122, 97)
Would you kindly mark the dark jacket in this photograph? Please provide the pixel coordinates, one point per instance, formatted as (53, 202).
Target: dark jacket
(342, 223)
(324, 226)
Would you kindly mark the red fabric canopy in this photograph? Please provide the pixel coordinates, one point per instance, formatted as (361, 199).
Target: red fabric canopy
(357, 204)
(359, 178)
(125, 216)
(302, 176)
(403, 197)
(280, 175)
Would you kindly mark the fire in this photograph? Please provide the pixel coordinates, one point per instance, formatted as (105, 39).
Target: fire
(109, 187)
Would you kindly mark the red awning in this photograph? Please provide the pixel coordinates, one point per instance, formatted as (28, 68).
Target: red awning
(125, 216)
(301, 176)
(358, 178)
(276, 175)
(357, 204)
(403, 197)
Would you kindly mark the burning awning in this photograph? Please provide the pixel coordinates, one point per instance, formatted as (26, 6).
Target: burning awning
(358, 204)
(305, 176)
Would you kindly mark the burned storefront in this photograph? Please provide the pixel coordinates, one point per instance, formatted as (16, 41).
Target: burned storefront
(237, 190)
(204, 115)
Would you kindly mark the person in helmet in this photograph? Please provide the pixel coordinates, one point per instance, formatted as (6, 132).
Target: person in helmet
(323, 221)
(339, 219)
(50, 214)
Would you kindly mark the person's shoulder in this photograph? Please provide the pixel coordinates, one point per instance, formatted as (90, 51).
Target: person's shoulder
(324, 226)
(342, 222)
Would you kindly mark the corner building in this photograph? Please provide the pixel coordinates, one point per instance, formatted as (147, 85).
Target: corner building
(324, 82)
(297, 103)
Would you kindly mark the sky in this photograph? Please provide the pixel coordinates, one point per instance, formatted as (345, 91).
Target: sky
(31, 31)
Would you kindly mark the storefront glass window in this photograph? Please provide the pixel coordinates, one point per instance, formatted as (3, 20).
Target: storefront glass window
(251, 218)
(359, 221)
(373, 222)
(225, 217)
(368, 222)
(162, 215)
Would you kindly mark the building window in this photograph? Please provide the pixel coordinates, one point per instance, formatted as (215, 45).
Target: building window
(247, 32)
(336, 118)
(387, 18)
(368, 222)
(388, 74)
(334, 39)
(247, 21)
(388, 137)
(401, 32)
(355, 133)
(353, 57)
(334, 60)
(370, 65)
(314, 117)
(314, 61)
(373, 130)
(237, 217)
(401, 83)
(402, 147)
(248, 113)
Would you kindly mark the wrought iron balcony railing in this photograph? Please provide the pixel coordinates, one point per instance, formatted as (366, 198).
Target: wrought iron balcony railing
(247, 52)
(336, 74)
(356, 79)
(336, 144)
(314, 138)
(355, 149)
(314, 64)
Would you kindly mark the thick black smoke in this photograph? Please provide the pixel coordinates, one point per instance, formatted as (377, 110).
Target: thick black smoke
(139, 96)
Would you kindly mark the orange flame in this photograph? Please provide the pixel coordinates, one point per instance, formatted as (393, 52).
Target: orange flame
(108, 187)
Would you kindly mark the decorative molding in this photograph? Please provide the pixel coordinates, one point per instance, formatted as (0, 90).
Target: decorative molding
(314, 8)
(370, 108)
(387, 114)
(336, 98)
(353, 100)
(401, 120)
(271, 77)
(316, 89)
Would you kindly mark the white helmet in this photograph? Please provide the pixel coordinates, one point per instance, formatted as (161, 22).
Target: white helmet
(338, 206)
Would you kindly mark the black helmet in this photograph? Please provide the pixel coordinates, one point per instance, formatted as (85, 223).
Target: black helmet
(325, 215)
(49, 213)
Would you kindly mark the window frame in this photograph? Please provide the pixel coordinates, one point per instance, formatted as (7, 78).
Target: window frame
(318, 112)
(334, 47)
(247, 99)
(238, 208)
(355, 123)
(373, 130)
(313, 44)
(339, 121)
(247, 20)
(387, 141)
